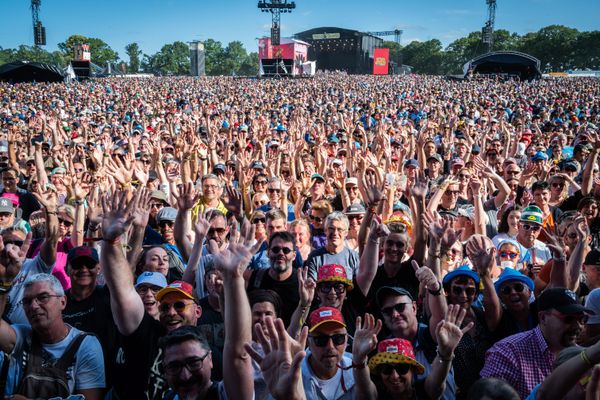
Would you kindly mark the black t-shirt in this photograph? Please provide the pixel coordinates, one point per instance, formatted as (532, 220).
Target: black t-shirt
(287, 290)
(27, 202)
(404, 278)
(94, 315)
(139, 373)
(212, 326)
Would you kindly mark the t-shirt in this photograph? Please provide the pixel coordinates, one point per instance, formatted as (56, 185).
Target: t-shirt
(347, 258)
(138, 373)
(404, 278)
(94, 315)
(290, 210)
(212, 326)
(14, 308)
(86, 372)
(286, 289)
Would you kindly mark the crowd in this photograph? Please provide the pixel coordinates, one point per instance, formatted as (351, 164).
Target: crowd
(331, 238)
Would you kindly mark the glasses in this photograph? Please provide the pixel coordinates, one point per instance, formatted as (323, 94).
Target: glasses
(277, 250)
(209, 187)
(79, 265)
(218, 231)
(534, 228)
(326, 287)
(259, 220)
(17, 243)
(164, 224)
(399, 308)
(509, 254)
(42, 298)
(146, 289)
(179, 306)
(452, 192)
(351, 217)
(570, 236)
(458, 290)
(388, 369)
(569, 319)
(464, 177)
(156, 205)
(558, 185)
(517, 287)
(315, 218)
(513, 172)
(271, 190)
(65, 222)
(260, 182)
(192, 364)
(322, 340)
(147, 162)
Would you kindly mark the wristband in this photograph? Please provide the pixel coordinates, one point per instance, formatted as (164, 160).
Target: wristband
(362, 365)
(442, 359)
(436, 292)
(114, 241)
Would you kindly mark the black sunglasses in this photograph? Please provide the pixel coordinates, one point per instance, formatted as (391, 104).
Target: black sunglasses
(315, 218)
(389, 311)
(219, 231)
(271, 190)
(327, 286)
(387, 369)
(457, 291)
(277, 250)
(257, 220)
(322, 340)
(517, 287)
(162, 224)
(65, 222)
(80, 265)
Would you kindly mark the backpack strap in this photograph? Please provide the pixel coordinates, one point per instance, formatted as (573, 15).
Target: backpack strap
(258, 277)
(67, 358)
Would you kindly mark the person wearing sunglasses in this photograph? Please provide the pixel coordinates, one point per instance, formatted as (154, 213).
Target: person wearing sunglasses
(259, 220)
(158, 200)
(278, 199)
(316, 216)
(395, 372)
(509, 256)
(561, 321)
(530, 226)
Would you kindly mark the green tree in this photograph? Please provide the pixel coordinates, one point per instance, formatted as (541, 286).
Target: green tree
(424, 57)
(172, 59)
(554, 46)
(235, 54)
(250, 65)
(588, 50)
(395, 51)
(134, 53)
(101, 53)
(214, 57)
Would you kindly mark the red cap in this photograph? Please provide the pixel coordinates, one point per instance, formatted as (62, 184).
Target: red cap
(325, 315)
(180, 287)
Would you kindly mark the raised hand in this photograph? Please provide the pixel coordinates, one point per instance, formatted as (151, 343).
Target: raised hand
(201, 226)
(46, 197)
(482, 252)
(280, 368)
(448, 332)
(306, 287)
(378, 230)
(419, 188)
(371, 188)
(365, 337)
(119, 171)
(233, 200)
(426, 277)
(117, 214)
(187, 197)
(234, 260)
(141, 212)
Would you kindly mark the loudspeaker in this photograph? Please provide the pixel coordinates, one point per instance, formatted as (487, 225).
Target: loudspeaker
(39, 34)
(275, 36)
(197, 59)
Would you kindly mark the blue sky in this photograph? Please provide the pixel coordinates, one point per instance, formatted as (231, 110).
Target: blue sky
(153, 23)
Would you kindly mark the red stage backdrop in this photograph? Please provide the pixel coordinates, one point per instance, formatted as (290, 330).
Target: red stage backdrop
(381, 59)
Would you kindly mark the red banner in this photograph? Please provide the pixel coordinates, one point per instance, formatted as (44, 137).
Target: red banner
(381, 59)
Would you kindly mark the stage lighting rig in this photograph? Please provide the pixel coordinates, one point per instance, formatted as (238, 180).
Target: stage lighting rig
(276, 8)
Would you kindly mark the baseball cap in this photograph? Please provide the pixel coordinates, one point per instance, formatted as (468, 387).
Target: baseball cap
(475, 149)
(467, 211)
(333, 139)
(151, 278)
(83, 251)
(325, 315)
(457, 161)
(317, 176)
(351, 181)
(539, 156)
(411, 163)
(592, 301)
(435, 157)
(384, 291)
(355, 209)
(532, 214)
(182, 288)
(166, 214)
(159, 195)
(592, 258)
(257, 165)
(219, 167)
(6, 205)
(562, 300)
(336, 161)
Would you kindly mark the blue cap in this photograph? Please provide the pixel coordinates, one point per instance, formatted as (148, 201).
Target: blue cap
(475, 149)
(219, 167)
(151, 278)
(225, 124)
(280, 128)
(510, 274)
(539, 156)
(333, 139)
(411, 163)
(463, 270)
(317, 176)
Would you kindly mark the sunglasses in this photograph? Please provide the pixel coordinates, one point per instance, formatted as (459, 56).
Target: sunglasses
(571, 318)
(260, 182)
(315, 218)
(147, 162)
(257, 220)
(515, 172)
(65, 222)
(509, 254)
(277, 250)
(163, 224)
(219, 231)
(271, 190)
(156, 205)
(351, 217)
(17, 243)
(463, 176)
(457, 291)
(534, 228)
(322, 340)
(388, 369)
(451, 192)
(389, 311)
(79, 265)
(572, 236)
(327, 286)
(179, 306)
(558, 185)
(517, 287)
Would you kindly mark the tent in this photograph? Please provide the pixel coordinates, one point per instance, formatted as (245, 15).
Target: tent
(508, 63)
(24, 71)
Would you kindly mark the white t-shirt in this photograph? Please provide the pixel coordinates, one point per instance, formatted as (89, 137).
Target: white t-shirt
(330, 387)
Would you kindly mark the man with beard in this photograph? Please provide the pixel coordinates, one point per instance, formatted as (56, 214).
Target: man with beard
(280, 276)
(335, 250)
(525, 359)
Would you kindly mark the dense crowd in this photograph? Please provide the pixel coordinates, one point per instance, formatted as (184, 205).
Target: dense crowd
(329, 238)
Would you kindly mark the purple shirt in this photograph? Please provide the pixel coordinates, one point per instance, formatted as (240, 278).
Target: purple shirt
(523, 360)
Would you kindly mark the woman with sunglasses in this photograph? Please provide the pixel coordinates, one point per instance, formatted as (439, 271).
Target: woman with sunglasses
(509, 256)
(394, 372)
(259, 221)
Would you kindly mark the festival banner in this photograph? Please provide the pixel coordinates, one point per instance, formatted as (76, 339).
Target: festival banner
(381, 61)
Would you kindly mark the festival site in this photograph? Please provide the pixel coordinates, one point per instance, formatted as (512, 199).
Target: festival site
(300, 200)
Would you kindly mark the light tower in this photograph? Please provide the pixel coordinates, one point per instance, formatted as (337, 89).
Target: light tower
(276, 7)
(487, 33)
(39, 32)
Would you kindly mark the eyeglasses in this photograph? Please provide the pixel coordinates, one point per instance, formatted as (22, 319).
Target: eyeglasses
(463, 176)
(534, 228)
(509, 254)
(179, 306)
(569, 319)
(558, 185)
(79, 265)
(260, 182)
(17, 243)
(452, 192)
(65, 222)
(315, 218)
(507, 289)
(42, 298)
(399, 308)
(257, 220)
(209, 187)
(218, 231)
(156, 205)
(164, 224)
(572, 236)
(147, 162)
(272, 190)
(277, 250)
(322, 340)
(326, 287)
(458, 290)
(351, 217)
(145, 289)
(388, 369)
(192, 364)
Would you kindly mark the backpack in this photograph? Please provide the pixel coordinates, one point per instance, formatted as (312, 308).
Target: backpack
(46, 381)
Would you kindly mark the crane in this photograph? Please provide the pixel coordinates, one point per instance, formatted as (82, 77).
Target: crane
(487, 33)
(39, 31)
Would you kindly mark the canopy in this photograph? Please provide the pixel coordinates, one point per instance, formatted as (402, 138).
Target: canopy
(511, 63)
(24, 71)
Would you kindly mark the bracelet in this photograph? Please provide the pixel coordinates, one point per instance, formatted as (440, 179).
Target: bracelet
(434, 255)
(51, 212)
(116, 240)
(436, 292)
(80, 202)
(586, 359)
(362, 365)
(442, 359)
(6, 285)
